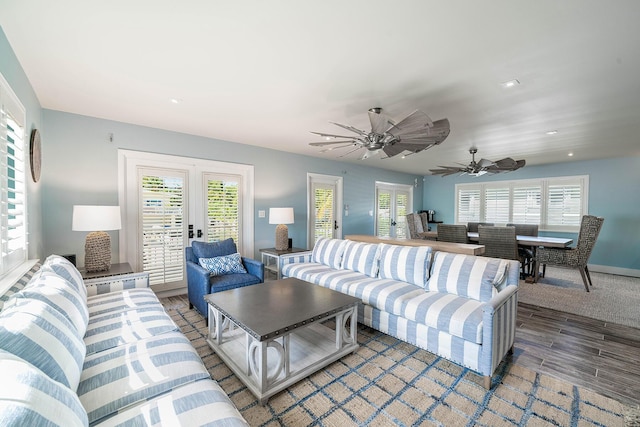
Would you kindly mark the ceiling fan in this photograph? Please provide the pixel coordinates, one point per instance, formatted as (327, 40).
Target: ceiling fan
(413, 134)
(480, 168)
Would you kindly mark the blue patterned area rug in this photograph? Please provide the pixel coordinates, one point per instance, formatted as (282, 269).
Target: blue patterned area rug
(390, 383)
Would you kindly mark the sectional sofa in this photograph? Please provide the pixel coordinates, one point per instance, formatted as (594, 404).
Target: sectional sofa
(101, 352)
(460, 307)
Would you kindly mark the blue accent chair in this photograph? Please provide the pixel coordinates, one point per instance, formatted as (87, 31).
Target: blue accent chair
(201, 283)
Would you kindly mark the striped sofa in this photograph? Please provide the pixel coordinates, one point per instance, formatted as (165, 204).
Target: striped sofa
(100, 352)
(460, 307)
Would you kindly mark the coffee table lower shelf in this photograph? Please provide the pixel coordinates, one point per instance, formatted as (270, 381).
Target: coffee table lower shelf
(268, 367)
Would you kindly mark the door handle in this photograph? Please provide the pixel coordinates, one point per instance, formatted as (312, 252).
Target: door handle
(335, 225)
(393, 222)
(199, 233)
(190, 231)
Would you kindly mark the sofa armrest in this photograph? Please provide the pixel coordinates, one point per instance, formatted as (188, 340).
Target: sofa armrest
(294, 258)
(104, 285)
(499, 328)
(254, 267)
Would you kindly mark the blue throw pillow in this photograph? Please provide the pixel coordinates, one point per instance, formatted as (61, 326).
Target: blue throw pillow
(220, 265)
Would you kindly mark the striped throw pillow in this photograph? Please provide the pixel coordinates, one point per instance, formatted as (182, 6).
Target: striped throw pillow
(405, 263)
(64, 268)
(221, 265)
(467, 275)
(28, 397)
(361, 257)
(328, 252)
(39, 334)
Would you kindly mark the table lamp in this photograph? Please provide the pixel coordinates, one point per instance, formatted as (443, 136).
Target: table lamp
(97, 247)
(281, 216)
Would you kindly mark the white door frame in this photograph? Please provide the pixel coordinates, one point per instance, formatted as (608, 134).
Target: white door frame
(393, 188)
(325, 179)
(129, 160)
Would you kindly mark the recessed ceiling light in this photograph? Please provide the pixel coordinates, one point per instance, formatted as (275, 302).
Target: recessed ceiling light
(176, 101)
(551, 132)
(510, 83)
(570, 154)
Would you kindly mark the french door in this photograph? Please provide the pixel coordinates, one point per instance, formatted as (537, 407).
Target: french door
(393, 203)
(171, 201)
(324, 196)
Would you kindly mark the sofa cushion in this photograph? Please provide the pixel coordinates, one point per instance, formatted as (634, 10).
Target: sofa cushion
(60, 294)
(136, 372)
(458, 316)
(28, 397)
(405, 263)
(64, 268)
(361, 257)
(114, 329)
(467, 275)
(221, 265)
(328, 252)
(117, 302)
(214, 249)
(196, 404)
(35, 331)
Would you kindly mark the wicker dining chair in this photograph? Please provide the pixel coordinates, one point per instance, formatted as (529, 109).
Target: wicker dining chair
(526, 253)
(452, 233)
(415, 226)
(575, 257)
(472, 227)
(499, 242)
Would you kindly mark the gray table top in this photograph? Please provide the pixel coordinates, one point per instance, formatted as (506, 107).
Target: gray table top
(274, 308)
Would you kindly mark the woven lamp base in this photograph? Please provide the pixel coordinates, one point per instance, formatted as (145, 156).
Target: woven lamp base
(282, 237)
(97, 251)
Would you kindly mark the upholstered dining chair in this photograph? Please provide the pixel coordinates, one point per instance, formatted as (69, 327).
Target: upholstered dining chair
(456, 233)
(472, 227)
(416, 227)
(499, 242)
(526, 252)
(574, 257)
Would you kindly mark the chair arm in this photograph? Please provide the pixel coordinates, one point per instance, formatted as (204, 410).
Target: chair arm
(104, 285)
(499, 328)
(254, 267)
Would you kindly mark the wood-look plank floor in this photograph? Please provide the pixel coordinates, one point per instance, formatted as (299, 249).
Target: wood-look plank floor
(601, 356)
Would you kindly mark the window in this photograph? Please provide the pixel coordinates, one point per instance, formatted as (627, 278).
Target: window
(555, 204)
(13, 229)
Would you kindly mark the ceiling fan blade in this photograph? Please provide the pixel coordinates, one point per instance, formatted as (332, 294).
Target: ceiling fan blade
(507, 165)
(351, 128)
(484, 163)
(379, 121)
(337, 147)
(349, 152)
(445, 171)
(415, 123)
(392, 150)
(323, 143)
(330, 135)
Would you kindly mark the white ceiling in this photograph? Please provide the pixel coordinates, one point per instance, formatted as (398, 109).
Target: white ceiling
(266, 73)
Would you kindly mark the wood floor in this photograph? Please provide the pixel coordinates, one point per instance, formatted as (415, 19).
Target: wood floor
(597, 355)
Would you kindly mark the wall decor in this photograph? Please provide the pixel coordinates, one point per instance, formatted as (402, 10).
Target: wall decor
(35, 155)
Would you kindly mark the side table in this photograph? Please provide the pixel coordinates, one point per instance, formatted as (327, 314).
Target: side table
(114, 270)
(271, 258)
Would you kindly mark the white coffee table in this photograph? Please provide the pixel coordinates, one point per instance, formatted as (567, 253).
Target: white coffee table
(273, 334)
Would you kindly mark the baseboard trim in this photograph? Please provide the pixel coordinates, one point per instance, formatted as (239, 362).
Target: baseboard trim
(614, 270)
(171, 292)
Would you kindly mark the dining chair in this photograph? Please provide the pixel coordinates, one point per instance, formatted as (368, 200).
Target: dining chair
(472, 227)
(575, 257)
(526, 253)
(499, 242)
(414, 223)
(456, 233)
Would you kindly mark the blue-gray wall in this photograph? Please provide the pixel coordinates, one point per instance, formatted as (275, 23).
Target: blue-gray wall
(613, 194)
(80, 166)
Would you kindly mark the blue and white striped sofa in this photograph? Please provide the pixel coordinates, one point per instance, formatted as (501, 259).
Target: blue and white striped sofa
(460, 307)
(99, 352)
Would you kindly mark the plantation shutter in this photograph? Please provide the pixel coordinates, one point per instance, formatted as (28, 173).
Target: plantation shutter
(223, 209)
(162, 198)
(526, 204)
(468, 205)
(496, 205)
(383, 210)
(12, 175)
(402, 209)
(564, 206)
(324, 208)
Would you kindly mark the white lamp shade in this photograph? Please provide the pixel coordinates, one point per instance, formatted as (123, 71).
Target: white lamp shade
(96, 218)
(280, 215)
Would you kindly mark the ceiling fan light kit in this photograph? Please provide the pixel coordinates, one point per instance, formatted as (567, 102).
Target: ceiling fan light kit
(481, 167)
(415, 133)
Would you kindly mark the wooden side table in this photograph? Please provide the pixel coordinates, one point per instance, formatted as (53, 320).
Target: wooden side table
(114, 270)
(271, 258)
